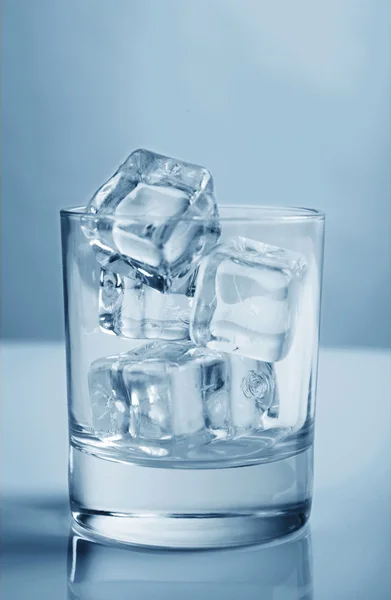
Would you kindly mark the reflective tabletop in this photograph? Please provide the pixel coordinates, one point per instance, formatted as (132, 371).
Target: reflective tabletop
(343, 554)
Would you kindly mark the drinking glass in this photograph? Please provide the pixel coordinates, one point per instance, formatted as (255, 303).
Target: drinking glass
(206, 445)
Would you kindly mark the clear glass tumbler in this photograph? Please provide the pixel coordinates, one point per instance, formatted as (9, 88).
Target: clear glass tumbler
(191, 414)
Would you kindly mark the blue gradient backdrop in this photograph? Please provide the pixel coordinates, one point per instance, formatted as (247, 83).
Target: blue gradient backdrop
(286, 102)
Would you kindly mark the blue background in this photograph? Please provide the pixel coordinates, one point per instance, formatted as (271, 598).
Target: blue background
(285, 102)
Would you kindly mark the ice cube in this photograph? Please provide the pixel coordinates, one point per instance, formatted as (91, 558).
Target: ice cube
(130, 309)
(164, 391)
(156, 215)
(162, 383)
(243, 399)
(109, 407)
(247, 299)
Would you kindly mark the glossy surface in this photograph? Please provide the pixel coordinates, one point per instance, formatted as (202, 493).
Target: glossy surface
(350, 542)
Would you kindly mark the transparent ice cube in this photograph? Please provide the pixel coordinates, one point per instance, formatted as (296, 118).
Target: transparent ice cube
(163, 391)
(162, 384)
(166, 219)
(247, 299)
(109, 405)
(130, 309)
(243, 399)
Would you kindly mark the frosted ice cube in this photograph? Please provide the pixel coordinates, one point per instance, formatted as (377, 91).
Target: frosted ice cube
(157, 215)
(130, 309)
(164, 391)
(247, 299)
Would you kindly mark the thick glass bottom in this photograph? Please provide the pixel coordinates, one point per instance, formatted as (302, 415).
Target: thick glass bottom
(195, 530)
(194, 508)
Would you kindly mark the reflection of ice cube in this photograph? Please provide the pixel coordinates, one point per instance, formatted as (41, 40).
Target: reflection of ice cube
(247, 299)
(163, 390)
(130, 309)
(156, 215)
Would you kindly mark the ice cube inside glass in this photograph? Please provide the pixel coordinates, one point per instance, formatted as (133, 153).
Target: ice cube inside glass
(131, 309)
(247, 299)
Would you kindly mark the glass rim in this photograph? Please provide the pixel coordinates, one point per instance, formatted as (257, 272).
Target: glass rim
(227, 213)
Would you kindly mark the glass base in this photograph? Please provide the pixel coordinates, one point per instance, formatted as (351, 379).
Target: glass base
(195, 530)
(195, 508)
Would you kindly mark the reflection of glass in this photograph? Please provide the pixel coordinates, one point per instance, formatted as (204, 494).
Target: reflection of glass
(107, 572)
(191, 424)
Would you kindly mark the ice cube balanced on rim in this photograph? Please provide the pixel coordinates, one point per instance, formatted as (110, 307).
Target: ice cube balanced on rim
(177, 205)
